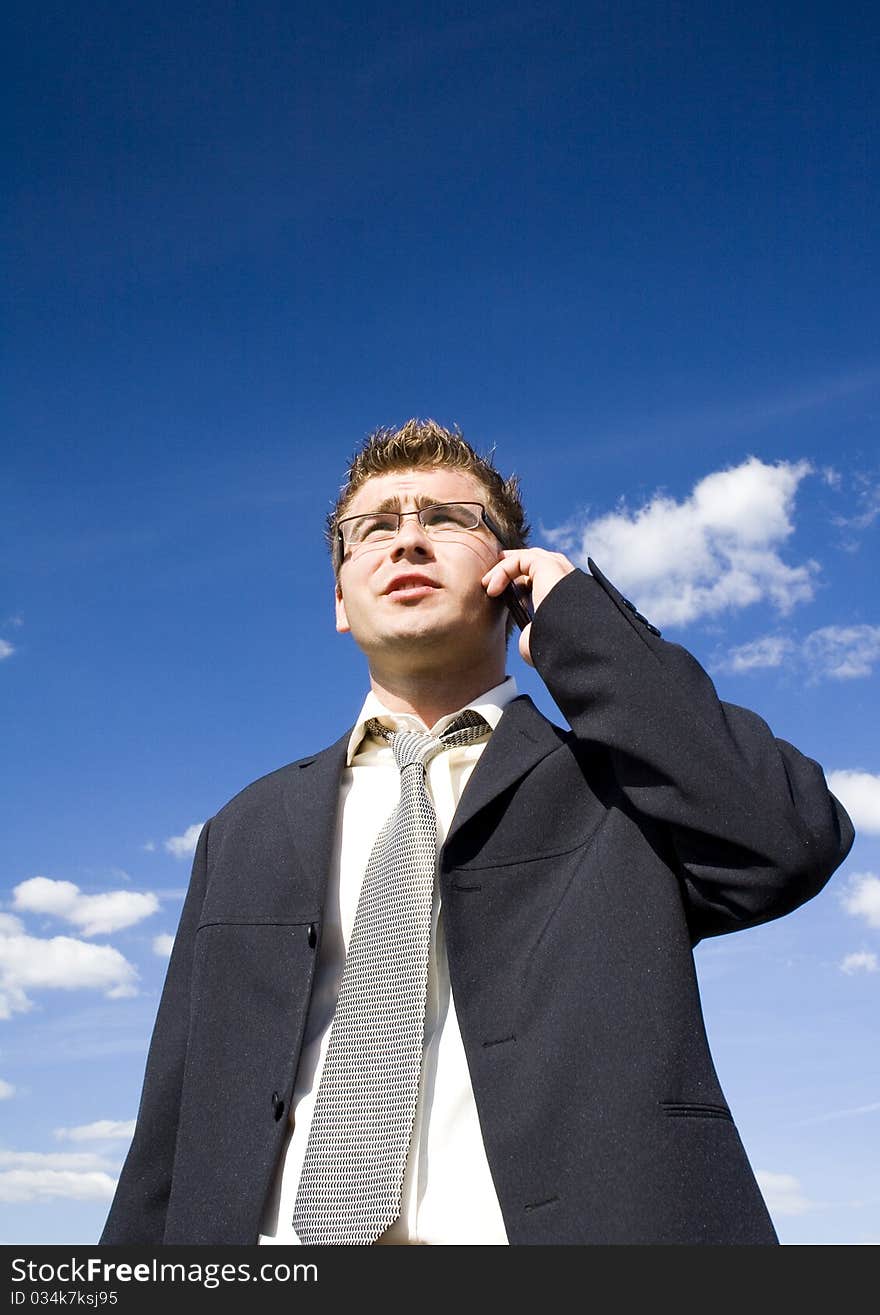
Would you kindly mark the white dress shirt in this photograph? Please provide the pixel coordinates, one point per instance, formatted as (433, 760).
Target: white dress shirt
(448, 1195)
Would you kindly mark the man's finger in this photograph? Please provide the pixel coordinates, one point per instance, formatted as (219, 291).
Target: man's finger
(504, 570)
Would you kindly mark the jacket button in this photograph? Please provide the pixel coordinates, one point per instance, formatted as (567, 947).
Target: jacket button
(313, 935)
(277, 1105)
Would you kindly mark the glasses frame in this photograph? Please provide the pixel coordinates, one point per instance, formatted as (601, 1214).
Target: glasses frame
(483, 519)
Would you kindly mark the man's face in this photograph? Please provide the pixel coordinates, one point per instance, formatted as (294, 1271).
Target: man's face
(405, 597)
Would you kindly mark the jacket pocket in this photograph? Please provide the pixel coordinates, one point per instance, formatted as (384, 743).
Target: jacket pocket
(679, 1109)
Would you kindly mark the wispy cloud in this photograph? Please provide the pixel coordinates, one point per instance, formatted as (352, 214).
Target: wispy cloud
(830, 653)
(31, 1176)
(860, 961)
(28, 963)
(7, 1090)
(862, 897)
(184, 846)
(840, 1114)
(718, 550)
(868, 496)
(768, 651)
(859, 792)
(78, 1161)
(783, 1193)
(6, 649)
(163, 944)
(843, 652)
(809, 397)
(93, 915)
(101, 1130)
(717, 424)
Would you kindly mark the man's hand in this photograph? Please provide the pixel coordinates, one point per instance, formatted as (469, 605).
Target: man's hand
(537, 570)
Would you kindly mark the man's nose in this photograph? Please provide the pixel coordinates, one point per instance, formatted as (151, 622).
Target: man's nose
(411, 537)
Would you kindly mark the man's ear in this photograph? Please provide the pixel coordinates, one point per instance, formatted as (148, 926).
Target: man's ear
(341, 619)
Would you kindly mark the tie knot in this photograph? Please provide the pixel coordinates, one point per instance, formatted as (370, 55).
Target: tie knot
(420, 747)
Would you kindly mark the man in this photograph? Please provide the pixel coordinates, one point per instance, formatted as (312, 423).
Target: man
(347, 1050)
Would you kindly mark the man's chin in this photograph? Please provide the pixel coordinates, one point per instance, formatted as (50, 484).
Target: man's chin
(414, 631)
(425, 628)
(414, 636)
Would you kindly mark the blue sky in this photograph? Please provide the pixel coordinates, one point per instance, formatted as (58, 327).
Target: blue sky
(632, 246)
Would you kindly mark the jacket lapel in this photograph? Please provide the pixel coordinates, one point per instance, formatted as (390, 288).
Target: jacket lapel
(521, 739)
(311, 800)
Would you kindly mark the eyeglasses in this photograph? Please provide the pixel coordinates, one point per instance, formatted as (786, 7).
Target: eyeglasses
(437, 520)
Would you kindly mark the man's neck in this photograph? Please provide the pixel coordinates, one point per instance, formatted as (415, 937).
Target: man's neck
(432, 695)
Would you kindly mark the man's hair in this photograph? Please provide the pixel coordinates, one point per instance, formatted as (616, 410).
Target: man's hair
(421, 444)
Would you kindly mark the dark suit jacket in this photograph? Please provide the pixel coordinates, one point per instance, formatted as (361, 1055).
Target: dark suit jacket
(581, 867)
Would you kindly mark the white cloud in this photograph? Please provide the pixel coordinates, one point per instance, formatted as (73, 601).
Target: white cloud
(860, 961)
(783, 1193)
(30, 1176)
(843, 652)
(102, 1130)
(149, 847)
(862, 897)
(768, 651)
(7, 1090)
(163, 945)
(184, 846)
(859, 792)
(6, 649)
(94, 915)
(716, 551)
(28, 963)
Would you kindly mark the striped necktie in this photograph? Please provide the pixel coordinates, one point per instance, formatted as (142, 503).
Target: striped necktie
(350, 1185)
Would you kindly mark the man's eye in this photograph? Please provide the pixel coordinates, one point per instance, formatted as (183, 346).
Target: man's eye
(450, 517)
(372, 525)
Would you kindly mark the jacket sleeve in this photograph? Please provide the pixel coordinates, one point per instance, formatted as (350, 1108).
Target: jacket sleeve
(754, 830)
(137, 1215)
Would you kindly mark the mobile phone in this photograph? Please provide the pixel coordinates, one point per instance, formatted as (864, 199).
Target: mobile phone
(517, 599)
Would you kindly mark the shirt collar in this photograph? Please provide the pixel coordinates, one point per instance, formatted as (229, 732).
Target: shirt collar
(489, 705)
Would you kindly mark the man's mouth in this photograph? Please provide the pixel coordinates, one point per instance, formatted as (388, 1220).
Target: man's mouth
(405, 587)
